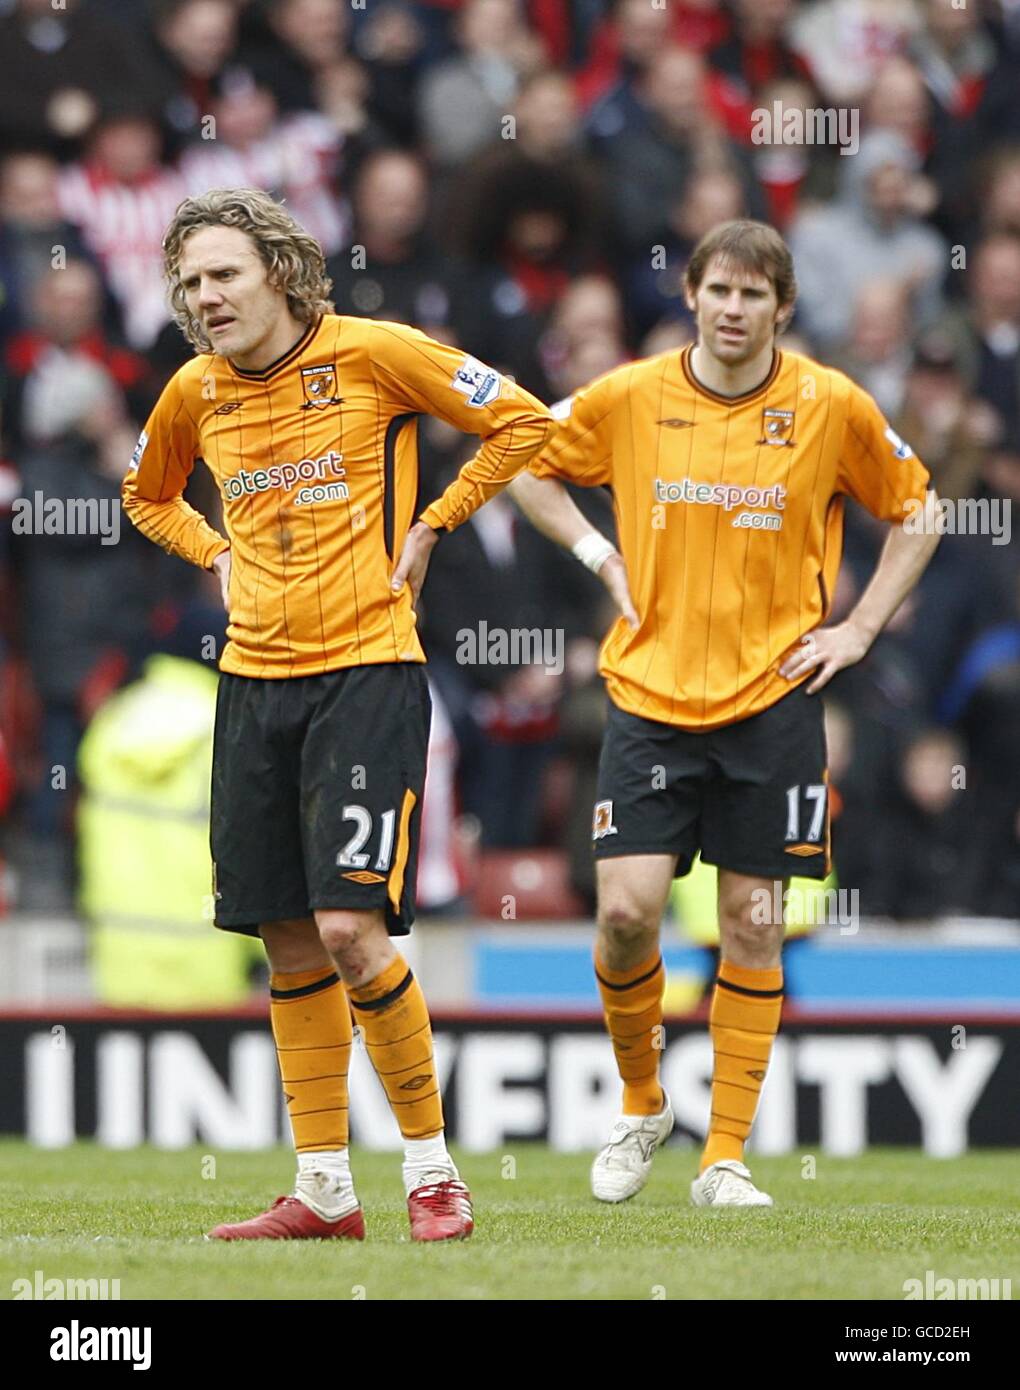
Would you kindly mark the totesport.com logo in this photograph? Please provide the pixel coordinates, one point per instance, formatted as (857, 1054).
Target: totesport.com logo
(729, 496)
(321, 477)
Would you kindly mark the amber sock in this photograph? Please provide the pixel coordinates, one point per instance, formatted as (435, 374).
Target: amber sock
(744, 1019)
(632, 1003)
(313, 1031)
(392, 1015)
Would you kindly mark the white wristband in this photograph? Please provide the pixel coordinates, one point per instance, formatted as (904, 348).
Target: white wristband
(593, 550)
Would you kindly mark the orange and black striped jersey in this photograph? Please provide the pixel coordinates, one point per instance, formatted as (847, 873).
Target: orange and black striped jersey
(316, 462)
(729, 514)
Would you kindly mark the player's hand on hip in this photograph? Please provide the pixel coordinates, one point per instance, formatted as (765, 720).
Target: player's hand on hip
(828, 650)
(613, 573)
(221, 566)
(414, 560)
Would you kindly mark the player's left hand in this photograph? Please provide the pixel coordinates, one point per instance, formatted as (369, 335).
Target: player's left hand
(828, 650)
(414, 560)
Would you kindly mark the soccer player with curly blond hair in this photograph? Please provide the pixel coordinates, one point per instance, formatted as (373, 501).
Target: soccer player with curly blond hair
(308, 423)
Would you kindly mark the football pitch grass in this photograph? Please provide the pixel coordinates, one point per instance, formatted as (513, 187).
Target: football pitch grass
(856, 1230)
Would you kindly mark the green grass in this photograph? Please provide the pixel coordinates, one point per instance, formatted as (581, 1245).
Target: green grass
(857, 1230)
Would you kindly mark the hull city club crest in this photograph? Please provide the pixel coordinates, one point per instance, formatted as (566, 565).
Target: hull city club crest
(777, 428)
(320, 386)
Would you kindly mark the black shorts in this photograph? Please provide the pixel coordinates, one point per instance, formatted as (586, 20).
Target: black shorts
(753, 796)
(316, 795)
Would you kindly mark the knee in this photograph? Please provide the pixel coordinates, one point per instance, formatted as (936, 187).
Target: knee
(340, 932)
(293, 947)
(626, 929)
(749, 936)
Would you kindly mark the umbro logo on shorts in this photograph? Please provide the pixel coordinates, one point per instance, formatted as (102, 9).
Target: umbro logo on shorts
(365, 876)
(803, 850)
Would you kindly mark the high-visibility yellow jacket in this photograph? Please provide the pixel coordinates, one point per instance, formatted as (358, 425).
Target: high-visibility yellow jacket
(694, 905)
(145, 765)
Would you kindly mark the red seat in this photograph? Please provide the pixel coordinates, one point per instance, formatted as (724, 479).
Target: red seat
(525, 885)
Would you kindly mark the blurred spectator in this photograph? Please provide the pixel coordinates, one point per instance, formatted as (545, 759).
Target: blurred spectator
(930, 862)
(947, 429)
(871, 232)
(33, 235)
(294, 158)
(999, 198)
(64, 327)
(391, 270)
(122, 197)
(626, 41)
(755, 55)
(846, 42)
(999, 113)
(791, 173)
(60, 65)
(653, 156)
(985, 332)
(527, 233)
(393, 41)
(83, 598)
(300, 39)
(463, 101)
(190, 44)
(489, 579)
(877, 354)
(955, 56)
(897, 100)
(585, 337)
(654, 280)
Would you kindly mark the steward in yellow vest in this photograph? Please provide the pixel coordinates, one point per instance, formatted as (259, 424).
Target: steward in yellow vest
(145, 765)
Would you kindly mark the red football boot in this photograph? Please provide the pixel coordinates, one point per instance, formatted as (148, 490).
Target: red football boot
(441, 1211)
(289, 1219)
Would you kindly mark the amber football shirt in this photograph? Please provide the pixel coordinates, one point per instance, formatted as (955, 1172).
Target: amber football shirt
(315, 459)
(729, 514)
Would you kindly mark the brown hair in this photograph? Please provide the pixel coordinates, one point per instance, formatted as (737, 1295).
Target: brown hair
(751, 246)
(293, 258)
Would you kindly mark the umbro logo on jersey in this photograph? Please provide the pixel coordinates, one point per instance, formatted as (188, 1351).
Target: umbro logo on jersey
(228, 408)
(672, 423)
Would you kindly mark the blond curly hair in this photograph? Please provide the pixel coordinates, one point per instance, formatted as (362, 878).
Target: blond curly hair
(293, 258)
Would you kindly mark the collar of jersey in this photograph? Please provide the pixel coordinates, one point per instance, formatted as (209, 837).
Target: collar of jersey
(281, 362)
(702, 389)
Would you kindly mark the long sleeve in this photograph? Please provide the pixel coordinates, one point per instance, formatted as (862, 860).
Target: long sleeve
(421, 375)
(156, 478)
(580, 448)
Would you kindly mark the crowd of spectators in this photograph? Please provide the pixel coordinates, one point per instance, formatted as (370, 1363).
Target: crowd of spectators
(526, 178)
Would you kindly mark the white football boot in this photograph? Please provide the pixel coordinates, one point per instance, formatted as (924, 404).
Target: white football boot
(621, 1169)
(727, 1184)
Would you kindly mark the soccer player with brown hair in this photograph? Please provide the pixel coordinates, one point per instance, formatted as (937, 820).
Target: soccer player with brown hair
(308, 423)
(729, 462)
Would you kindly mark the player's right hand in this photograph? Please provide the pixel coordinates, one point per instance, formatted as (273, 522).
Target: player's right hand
(221, 566)
(613, 573)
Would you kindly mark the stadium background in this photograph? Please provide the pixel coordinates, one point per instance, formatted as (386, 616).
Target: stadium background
(525, 180)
